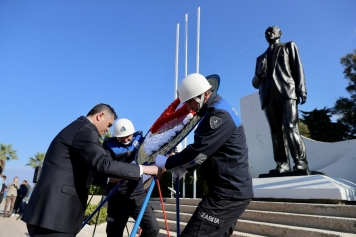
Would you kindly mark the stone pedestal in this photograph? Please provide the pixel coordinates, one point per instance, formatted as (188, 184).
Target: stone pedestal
(274, 173)
(306, 187)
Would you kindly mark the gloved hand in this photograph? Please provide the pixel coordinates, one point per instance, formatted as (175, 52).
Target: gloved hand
(179, 173)
(145, 177)
(161, 161)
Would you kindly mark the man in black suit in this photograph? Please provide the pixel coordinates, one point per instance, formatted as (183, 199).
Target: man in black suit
(279, 76)
(57, 204)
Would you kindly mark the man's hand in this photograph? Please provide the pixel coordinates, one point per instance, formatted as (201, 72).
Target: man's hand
(262, 69)
(145, 177)
(152, 170)
(179, 173)
(301, 99)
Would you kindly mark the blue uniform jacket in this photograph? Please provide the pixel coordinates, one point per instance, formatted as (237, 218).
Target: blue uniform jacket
(221, 151)
(125, 153)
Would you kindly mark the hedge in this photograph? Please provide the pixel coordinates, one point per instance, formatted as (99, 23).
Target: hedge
(102, 214)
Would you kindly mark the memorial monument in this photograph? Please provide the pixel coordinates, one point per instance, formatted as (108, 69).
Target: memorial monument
(279, 76)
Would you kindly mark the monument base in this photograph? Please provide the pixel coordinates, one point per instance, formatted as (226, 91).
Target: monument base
(306, 187)
(275, 173)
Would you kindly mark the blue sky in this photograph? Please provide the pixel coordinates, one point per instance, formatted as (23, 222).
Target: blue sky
(60, 58)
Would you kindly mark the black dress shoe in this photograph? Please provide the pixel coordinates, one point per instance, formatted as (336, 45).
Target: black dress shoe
(279, 170)
(283, 170)
(300, 167)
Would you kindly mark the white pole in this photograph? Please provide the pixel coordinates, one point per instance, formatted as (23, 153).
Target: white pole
(198, 38)
(176, 80)
(186, 45)
(176, 63)
(197, 65)
(185, 74)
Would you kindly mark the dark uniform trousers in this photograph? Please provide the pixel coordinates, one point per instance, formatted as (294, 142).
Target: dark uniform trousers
(215, 217)
(121, 207)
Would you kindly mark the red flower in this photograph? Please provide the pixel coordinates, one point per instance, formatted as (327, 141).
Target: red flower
(171, 114)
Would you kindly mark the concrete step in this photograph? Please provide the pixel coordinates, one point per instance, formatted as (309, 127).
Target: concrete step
(270, 229)
(339, 210)
(184, 201)
(172, 233)
(254, 228)
(284, 222)
(163, 233)
(332, 223)
(340, 224)
(264, 218)
(182, 208)
(184, 217)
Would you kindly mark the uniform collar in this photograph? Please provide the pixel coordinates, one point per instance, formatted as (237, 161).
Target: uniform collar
(209, 104)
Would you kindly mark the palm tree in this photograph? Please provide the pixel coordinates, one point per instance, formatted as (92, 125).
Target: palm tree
(6, 153)
(37, 160)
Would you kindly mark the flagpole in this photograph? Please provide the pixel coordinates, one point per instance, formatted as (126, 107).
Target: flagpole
(176, 79)
(176, 63)
(185, 74)
(175, 96)
(197, 70)
(198, 39)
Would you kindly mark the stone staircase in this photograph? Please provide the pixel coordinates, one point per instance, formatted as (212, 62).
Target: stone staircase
(266, 218)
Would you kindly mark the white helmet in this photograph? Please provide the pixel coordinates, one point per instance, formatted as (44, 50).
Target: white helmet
(192, 86)
(123, 127)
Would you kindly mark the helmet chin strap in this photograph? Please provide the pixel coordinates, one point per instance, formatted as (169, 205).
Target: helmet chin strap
(200, 101)
(125, 143)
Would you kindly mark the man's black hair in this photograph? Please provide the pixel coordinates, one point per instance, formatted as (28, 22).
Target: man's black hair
(102, 107)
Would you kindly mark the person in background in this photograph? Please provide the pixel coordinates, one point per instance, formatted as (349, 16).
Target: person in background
(3, 187)
(1, 180)
(21, 193)
(11, 197)
(26, 198)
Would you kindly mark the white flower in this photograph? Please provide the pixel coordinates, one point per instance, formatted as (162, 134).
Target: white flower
(154, 142)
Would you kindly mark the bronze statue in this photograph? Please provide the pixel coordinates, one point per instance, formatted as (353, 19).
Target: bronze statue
(279, 76)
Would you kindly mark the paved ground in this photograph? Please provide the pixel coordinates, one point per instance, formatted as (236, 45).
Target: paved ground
(14, 227)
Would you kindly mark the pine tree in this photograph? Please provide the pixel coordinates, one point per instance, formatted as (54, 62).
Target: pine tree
(345, 108)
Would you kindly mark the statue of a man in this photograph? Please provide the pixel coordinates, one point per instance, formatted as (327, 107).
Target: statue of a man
(279, 76)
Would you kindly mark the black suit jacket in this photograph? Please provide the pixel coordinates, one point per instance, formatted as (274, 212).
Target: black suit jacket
(285, 70)
(59, 199)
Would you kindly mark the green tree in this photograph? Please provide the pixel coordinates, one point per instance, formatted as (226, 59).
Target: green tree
(96, 190)
(7, 153)
(303, 129)
(37, 160)
(106, 135)
(345, 108)
(321, 128)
